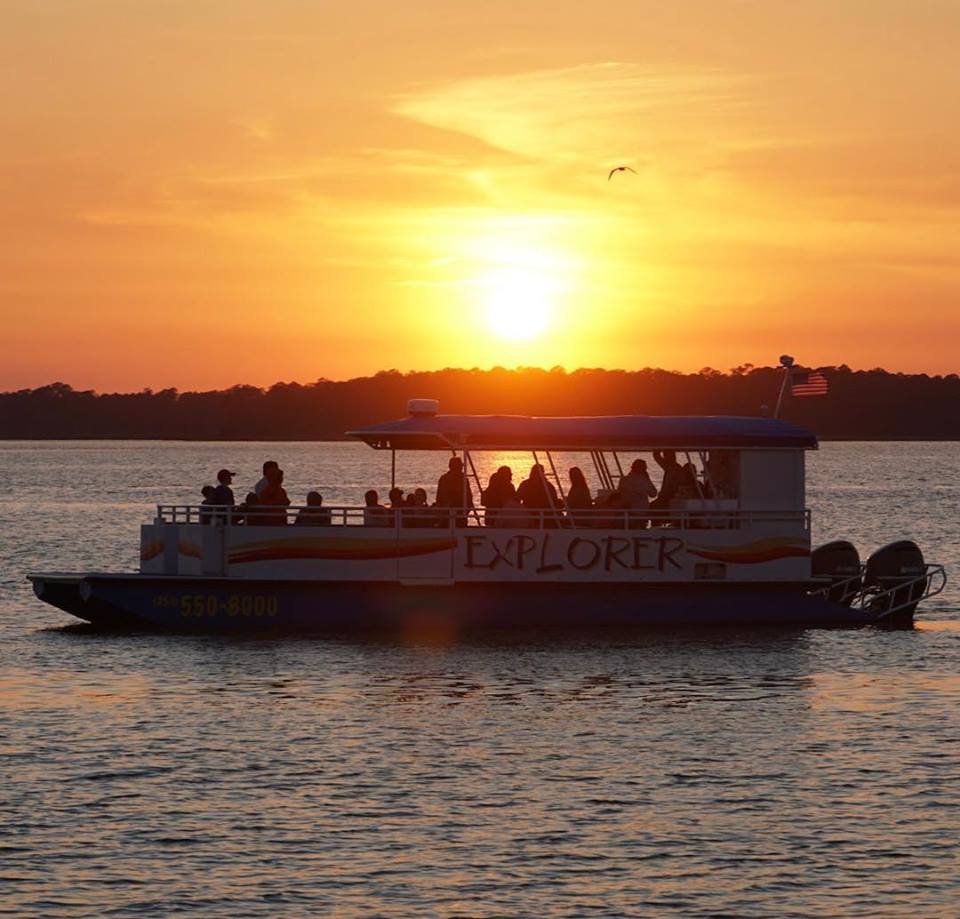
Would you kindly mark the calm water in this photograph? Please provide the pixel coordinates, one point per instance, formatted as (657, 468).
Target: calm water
(757, 773)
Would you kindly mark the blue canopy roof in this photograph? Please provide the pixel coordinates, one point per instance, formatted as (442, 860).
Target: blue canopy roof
(606, 432)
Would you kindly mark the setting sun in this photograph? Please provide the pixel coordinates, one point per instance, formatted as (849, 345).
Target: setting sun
(519, 303)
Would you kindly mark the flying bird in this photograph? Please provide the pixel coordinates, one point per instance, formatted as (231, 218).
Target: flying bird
(620, 169)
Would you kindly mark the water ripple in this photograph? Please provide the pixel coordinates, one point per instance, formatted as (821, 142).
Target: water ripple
(779, 774)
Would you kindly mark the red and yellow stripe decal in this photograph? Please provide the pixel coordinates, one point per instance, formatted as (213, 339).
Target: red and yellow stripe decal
(152, 550)
(334, 548)
(190, 549)
(752, 553)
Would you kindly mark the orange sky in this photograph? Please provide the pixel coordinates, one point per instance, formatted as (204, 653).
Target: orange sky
(197, 193)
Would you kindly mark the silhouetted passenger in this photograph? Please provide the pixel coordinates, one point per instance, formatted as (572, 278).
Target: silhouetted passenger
(706, 487)
(635, 491)
(246, 513)
(274, 496)
(223, 493)
(499, 494)
(208, 492)
(265, 481)
(579, 498)
(689, 486)
(453, 490)
(374, 513)
(673, 477)
(314, 514)
(416, 512)
(490, 499)
(397, 503)
(537, 494)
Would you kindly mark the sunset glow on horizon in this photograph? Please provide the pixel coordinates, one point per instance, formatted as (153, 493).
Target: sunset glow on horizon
(204, 194)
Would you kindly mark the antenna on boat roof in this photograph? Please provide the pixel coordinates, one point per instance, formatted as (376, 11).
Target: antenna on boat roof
(786, 361)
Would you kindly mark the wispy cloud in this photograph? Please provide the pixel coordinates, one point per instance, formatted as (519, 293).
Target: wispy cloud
(608, 107)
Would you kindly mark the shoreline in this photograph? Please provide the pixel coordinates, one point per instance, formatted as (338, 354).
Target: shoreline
(347, 440)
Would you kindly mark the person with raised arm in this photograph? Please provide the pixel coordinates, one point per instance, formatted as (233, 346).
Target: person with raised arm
(673, 477)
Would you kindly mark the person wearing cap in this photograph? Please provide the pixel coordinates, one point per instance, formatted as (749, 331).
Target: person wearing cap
(223, 493)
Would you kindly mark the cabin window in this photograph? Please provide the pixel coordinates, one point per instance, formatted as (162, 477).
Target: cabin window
(722, 473)
(771, 480)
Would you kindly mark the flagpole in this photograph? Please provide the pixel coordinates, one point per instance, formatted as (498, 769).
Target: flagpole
(786, 362)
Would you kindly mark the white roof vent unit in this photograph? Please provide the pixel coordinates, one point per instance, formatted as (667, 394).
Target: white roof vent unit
(420, 408)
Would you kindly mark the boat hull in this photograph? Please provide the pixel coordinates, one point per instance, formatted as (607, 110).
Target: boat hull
(210, 604)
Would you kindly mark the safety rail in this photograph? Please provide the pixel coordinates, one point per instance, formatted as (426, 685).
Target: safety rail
(700, 517)
(885, 601)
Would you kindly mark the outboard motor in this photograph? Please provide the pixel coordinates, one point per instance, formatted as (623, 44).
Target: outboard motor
(838, 561)
(900, 563)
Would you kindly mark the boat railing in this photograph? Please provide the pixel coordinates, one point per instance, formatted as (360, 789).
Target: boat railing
(902, 593)
(685, 517)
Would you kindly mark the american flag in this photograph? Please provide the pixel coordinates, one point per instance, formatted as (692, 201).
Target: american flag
(808, 383)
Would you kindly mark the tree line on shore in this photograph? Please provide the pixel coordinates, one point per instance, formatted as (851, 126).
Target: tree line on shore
(861, 404)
